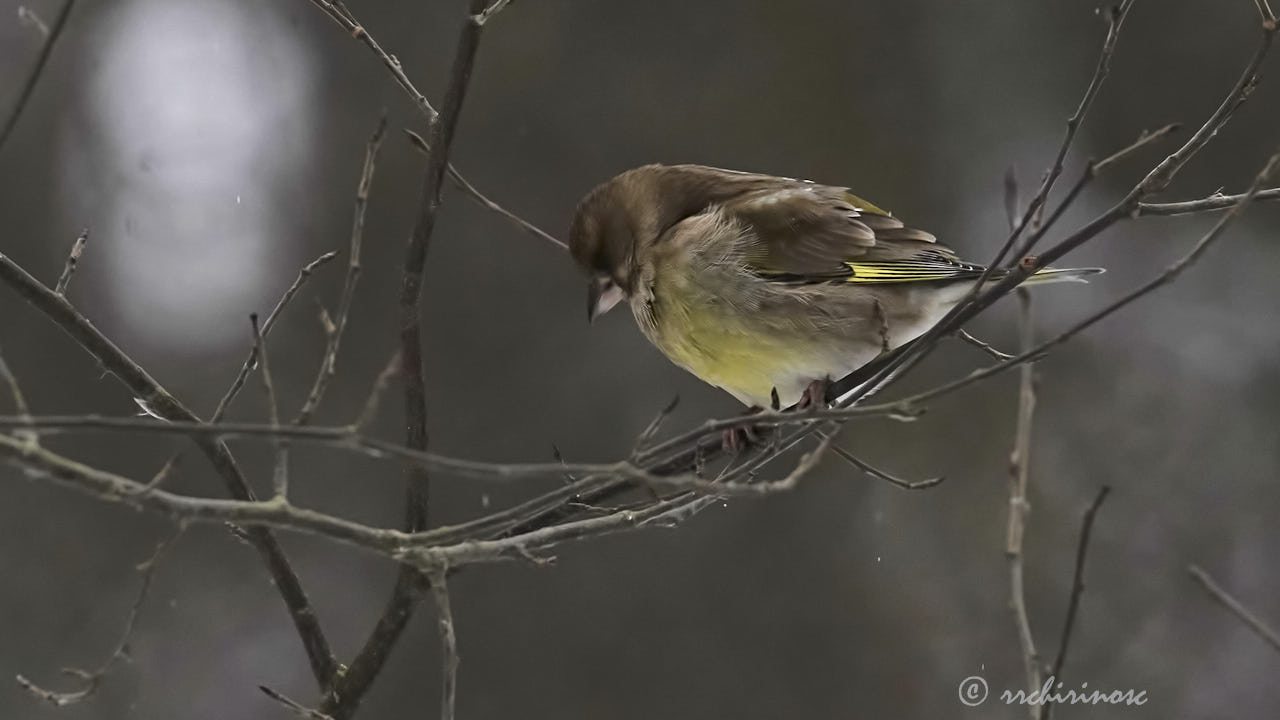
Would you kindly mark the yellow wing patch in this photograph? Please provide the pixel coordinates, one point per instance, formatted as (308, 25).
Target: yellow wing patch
(864, 205)
(909, 271)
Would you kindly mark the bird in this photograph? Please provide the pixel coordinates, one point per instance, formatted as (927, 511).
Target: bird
(768, 287)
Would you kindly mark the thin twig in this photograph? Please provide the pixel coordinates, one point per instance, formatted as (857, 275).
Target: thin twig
(28, 16)
(279, 513)
(73, 261)
(294, 706)
(29, 86)
(983, 346)
(92, 679)
(875, 472)
(155, 397)
(1092, 170)
(1019, 508)
(1115, 20)
(344, 437)
(497, 6)
(339, 13)
(250, 362)
(163, 473)
(651, 431)
(448, 644)
(474, 193)
(1264, 9)
(1212, 203)
(909, 404)
(1077, 590)
(894, 367)
(329, 362)
(1251, 621)
(346, 695)
(380, 386)
(20, 407)
(280, 475)
(1160, 177)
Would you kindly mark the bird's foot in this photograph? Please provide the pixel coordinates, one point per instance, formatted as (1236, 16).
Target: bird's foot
(740, 437)
(814, 396)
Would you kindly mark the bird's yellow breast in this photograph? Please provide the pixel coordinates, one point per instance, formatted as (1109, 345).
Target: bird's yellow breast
(747, 354)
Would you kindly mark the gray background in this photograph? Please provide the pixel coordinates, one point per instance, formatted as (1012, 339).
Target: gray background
(213, 148)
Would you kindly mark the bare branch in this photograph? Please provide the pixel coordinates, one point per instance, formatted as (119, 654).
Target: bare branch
(153, 396)
(908, 404)
(294, 706)
(279, 513)
(1011, 200)
(351, 687)
(329, 362)
(339, 437)
(20, 407)
(1160, 177)
(984, 347)
(1209, 204)
(339, 13)
(92, 679)
(1115, 21)
(28, 16)
(1019, 508)
(1252, 621)
(1264, 9)
(29, 86)
(497, 6)
(474, 193)
(652, 430)
(251, 361)
(380, 386)
(448, 644)
(875, 472)
(280, 476)
(850, 391)
(163, 473)
(1077, 589)
(73, 261)
(1091, 171)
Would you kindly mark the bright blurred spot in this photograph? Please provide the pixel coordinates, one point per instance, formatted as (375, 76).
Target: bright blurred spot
(200, 114)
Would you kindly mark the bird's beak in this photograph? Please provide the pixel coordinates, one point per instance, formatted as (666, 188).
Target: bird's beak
(602, 295)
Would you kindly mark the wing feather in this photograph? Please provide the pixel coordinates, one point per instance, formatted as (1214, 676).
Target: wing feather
(804, 232)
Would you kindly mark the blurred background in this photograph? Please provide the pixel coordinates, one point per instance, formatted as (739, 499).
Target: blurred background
(213, 148)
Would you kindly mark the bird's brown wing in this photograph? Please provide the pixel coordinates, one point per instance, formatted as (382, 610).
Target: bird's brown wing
(804, 232)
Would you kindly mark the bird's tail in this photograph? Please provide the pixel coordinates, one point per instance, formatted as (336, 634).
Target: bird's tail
(1053, 275)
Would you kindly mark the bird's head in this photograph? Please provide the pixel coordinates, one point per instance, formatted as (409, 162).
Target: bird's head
(603, 242)
(618, 223)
